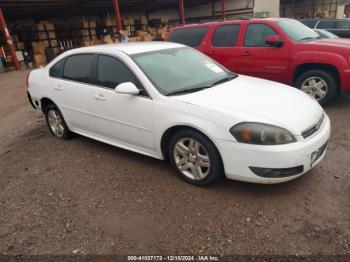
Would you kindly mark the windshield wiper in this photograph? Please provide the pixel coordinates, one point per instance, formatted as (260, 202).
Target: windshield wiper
(196, 89)
(310, 38)
(225, 79)
(188, 90)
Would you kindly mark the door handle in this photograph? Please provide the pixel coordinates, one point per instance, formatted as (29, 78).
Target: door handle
(246, 53)
(58, 87)
(100, 97)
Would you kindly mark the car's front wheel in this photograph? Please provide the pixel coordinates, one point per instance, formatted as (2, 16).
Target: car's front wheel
(56, 123)
(319, 84)
(195, 157)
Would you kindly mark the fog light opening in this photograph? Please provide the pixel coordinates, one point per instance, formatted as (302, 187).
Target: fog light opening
(277, 172)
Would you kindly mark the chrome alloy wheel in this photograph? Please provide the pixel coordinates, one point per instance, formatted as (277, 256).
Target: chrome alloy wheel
(315, 87)
(55, 123)
(192, 159)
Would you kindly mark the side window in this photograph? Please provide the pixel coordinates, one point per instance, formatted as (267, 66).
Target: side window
(78, 68)
(226, 36)
(326, 24)
(57, 69)
(189, 36)
(256, 34)
(342, 24)
(112, 72)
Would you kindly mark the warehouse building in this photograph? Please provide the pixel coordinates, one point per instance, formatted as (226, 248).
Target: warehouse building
(35, 31)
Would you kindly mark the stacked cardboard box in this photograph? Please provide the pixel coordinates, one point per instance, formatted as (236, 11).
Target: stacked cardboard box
(39, 52)
(161, 33)
(144, 20)
(46, 33)
(109, 22)
(144, 35)
(129, 21)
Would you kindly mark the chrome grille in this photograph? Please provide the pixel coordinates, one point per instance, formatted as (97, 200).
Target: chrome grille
(312, 130)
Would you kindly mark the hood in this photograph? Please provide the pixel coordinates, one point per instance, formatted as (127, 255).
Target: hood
(253, 99)
(336, 45)
(335, 41)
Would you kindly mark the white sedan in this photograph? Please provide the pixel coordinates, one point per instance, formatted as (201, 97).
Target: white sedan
(169, 101)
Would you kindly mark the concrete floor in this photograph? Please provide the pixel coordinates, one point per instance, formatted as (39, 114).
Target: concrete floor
(59, 197)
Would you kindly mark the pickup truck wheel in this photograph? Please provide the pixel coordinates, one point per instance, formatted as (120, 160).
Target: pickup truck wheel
(319, 84)
(56, 123)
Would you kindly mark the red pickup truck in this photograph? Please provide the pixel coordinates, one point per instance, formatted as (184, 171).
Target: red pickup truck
(278, 49)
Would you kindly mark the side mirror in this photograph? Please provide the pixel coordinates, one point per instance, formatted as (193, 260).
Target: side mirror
(274, 40)
(127, 88)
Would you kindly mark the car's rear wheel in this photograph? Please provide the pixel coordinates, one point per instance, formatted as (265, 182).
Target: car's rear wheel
(319, 84)
(194, 157)
(56, 123)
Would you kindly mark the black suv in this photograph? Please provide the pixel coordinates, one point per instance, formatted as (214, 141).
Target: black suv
(339, 27)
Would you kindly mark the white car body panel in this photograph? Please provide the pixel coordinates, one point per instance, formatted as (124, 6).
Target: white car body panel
(138, 123)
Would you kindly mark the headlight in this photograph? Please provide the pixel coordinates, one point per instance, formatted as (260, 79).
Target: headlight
(261, 134)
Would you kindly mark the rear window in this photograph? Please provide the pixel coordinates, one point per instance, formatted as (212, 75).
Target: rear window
(309, 23)
(57, 69)
(342, 24)
(226, 36)
(334, 24)
(189, 36)
(78, 68)
(326, 24)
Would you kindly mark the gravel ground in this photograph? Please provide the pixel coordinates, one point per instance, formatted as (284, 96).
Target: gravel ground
(85, 197)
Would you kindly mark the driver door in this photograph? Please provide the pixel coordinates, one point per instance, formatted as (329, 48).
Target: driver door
(258, 59)
(121, 118)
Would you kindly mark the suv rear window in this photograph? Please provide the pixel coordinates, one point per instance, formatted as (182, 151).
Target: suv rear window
(189, 36)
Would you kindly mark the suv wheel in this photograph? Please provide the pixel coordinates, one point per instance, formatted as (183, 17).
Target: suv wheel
(194, 157)
(319, 84)
(56, 123)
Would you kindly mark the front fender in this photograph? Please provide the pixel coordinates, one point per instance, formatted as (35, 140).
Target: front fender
(301, 58)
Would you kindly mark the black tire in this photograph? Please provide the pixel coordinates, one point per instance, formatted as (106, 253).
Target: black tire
(66, 134)
(329, 78)
(216, 168)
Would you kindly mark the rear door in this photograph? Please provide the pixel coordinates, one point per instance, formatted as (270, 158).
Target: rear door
(223, 45)
(258, 59)
(76, 92)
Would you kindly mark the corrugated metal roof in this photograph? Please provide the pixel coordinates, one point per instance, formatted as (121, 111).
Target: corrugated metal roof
(41, 9)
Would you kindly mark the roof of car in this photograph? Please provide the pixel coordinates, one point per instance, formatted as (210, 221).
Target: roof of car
(129, 48)
(256, 20)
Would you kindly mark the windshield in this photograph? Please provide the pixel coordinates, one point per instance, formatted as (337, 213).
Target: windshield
(298, 31)
(183, 69)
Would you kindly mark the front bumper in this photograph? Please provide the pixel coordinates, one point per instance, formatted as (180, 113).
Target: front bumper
(30, 100)
(239, 157)
(345, 81)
